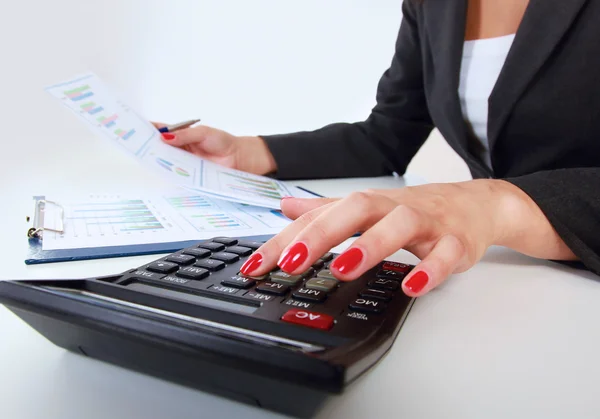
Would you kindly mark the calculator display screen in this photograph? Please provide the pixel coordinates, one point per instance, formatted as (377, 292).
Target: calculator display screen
(196, 299)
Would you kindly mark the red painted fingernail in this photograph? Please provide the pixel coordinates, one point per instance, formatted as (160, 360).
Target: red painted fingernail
(251, 264)
(348, 261)
(293, 258)
(168, 136)
(417, 282)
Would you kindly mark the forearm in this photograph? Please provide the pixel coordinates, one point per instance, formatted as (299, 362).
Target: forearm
(337, 150)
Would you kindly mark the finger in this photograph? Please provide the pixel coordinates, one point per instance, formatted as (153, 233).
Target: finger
(339, 221)
(399, 228)
(445, 257)
(266, 257)
(181, 138)
(295, 207)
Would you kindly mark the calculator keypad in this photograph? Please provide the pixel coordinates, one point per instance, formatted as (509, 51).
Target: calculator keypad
(313, 299)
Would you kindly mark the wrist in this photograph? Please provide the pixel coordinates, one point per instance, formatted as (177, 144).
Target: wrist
(253, 156)
(509, 207)
(521, 225)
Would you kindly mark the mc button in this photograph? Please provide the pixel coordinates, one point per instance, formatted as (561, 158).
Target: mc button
(367, 306)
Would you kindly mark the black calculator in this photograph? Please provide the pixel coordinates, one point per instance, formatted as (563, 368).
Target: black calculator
(283, 342)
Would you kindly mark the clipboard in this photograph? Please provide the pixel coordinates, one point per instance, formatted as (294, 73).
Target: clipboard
(40, 224)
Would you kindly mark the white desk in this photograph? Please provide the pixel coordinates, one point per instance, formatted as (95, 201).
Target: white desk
(513, 337)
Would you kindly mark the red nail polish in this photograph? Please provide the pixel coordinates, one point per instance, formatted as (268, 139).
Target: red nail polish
(348, 261)
(417, 282)
(168, 136)
(251, 264)
(294, 257)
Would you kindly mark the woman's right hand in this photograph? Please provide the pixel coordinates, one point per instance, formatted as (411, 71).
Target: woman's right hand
(249, 154)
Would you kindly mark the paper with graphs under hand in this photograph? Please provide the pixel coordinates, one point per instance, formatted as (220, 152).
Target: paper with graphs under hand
(105, 220)
(110, 118)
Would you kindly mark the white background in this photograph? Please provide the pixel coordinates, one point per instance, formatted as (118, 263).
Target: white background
(250, 67)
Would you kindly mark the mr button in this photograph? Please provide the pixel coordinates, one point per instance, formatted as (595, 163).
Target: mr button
(308, 318)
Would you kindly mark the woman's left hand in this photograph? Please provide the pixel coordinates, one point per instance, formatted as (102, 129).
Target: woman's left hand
(448, 226)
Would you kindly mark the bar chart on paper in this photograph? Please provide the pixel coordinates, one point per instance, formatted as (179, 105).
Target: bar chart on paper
(204, 215)
(90, 99)
(112, 218)
(108, 221)
(249, 186)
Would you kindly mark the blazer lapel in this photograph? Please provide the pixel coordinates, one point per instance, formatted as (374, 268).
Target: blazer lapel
(543, 26)
(445, 27)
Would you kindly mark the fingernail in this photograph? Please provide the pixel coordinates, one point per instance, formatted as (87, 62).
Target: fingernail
(286, 197)
(251, 264)
(293, 258)
(168, 136)
(348, 261)
(417, 282)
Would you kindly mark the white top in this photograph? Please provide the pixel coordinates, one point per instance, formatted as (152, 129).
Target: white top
(481, 65)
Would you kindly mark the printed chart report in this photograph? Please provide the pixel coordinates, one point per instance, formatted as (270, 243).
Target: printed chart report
(110, 118)
(115, 220)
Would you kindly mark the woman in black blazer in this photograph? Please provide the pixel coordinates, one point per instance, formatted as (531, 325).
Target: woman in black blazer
(537, 193)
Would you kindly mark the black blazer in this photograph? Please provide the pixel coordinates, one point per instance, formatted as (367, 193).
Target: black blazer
(544, 113)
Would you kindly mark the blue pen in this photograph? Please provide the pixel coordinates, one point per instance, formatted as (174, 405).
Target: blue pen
(178, 126)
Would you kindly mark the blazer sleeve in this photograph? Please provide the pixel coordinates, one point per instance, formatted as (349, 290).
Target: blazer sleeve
(385, 142)
(570, 199)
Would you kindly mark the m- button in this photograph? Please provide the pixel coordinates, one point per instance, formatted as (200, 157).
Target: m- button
(308, 318)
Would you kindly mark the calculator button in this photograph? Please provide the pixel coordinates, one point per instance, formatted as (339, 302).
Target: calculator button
(257, 296)
(256, 278)
(318, 264)
(252, 245)
(327, 257)
(181, 259)
(388, 274)
(239, 282)
(163, 267)
(384, 284)
(212, 246)
(285, 278)
(367, 306)
(308, 273)
(239, 250)
(227, 241)
(170, 279)
(273, 288)
(325, 273)
(223, 290)
(298, 304)
(197, 252)
(376, 294)
(141, 274)
(396, 266)
(210, 264)
(225, 257)
(322, 284)
(192, 272)
(315, 296)
(308, 318)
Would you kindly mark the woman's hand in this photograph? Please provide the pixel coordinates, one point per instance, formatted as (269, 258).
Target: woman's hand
(448, 226)
(249, 154)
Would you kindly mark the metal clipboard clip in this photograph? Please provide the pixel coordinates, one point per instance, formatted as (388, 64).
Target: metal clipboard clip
(41, 208)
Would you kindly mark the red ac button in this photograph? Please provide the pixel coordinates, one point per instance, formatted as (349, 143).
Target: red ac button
(308, 318)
